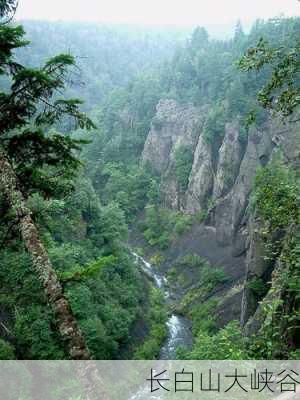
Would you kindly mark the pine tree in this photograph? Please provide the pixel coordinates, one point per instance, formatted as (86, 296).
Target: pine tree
(27, 150)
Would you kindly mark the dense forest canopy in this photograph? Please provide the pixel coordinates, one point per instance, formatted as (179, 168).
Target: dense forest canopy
(107, 57)
(203, 72)
(82, 192)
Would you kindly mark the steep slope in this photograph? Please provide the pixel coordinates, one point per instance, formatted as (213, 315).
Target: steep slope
(219, 187)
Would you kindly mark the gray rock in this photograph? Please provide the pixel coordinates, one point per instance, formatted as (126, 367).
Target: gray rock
(201, 179)
(230, 156)
(221, 182)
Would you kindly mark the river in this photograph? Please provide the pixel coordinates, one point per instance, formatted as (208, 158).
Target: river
(179, 328)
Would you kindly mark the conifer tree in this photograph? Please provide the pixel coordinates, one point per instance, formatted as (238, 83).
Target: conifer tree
(28, 151)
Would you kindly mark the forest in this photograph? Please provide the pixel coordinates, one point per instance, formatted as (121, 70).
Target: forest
(104, 132)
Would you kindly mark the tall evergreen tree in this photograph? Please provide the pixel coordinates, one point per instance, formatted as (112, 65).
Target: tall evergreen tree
(27, 150)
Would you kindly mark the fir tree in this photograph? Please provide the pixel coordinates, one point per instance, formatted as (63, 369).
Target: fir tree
(27, 150)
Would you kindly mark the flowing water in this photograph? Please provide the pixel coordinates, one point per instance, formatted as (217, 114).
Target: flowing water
(179, 328)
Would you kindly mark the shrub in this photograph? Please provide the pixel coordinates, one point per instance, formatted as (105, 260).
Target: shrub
(227, 344)
(211, 277)
(157, 259)
(277, 195)
(258, 287)
(183, 223)
(192, 260)
(6, 351)
(183, 165)
(203, 318)
(156, 318)
(201, 216)
(214, 127)
(161, 226)
(172, 274)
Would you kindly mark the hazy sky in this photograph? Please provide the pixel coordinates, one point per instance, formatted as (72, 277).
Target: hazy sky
(157, 12)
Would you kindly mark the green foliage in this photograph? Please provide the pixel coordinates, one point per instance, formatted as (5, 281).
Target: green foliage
(258, 287)
(278, 336)
(276, 197)
(208, 279)
(182, 222)
(83, 236)
(80, 273)
(172, 274)
(201, 216)
(183, 165)
(203, 318)
(157, 259)
(29, 106)
(156, 319)
(105, 289)
(124, 121)
(276, 194)
(227, 344)
(39, 160)
(7, 7)
(36, 339)
(192, 261)
(199, 279)
(277, 204)
(29, 317)
(161, 226)
(211, 277)
(82, 220)
(214, 127)
(6, 351)
(30, 87)
(11, 39)
(126, 185)
(113, 225)
(107, 305)
(281, 93)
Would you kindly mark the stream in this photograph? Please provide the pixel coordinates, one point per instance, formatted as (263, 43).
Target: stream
(179, 328)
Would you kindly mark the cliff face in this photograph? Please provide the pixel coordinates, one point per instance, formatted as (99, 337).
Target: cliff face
(220, 180)
(173, 126)
(221, 176)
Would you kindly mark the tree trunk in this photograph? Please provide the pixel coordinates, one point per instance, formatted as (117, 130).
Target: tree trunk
(88, 373)
(66, 322)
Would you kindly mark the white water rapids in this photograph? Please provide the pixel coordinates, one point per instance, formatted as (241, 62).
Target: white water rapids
(179, 332)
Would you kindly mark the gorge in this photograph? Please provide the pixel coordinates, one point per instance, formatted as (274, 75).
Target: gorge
(173, 226)
(179, 328)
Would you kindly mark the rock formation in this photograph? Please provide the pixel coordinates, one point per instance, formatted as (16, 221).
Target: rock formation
(221, 178)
